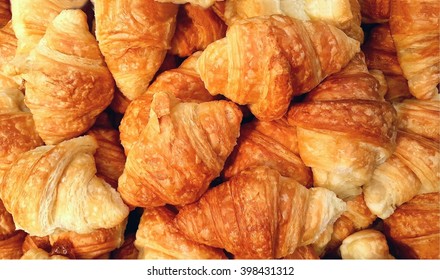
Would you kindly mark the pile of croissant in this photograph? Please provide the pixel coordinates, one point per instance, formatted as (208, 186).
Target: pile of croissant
(203, 129)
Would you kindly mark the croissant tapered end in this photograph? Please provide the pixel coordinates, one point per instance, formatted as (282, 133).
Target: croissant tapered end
(414, 228)
(189, 144)
(157, 238)
(63, 73)
(415, 28)
(288, 53)
(55, 187)
(10, 247)
(365, 245)
(134, 37)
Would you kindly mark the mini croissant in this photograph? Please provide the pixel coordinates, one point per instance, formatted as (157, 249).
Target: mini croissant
(415, 28)
(134, 36)
(64, 73)
(345, 129)
(259, 214)
(265, 61)
(181, 150)
(55, 188)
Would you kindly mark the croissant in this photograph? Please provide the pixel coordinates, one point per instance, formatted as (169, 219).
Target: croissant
(414, 228)
(183, 82)
(380, 53)
(40, 254)
(364, 245)
(134, 37)
(30, 18)
(196, 28)
(259, 214)
(8, 46)
(345, 130)
(375, 11)
(63, 73)
(10, 247)
(420, 117)
(415, 29)
(343, 14)
(273, 144)
(55, 188)
(412, 169)
(288, 53)
(5, 12)
(157, 238)
(181, 150)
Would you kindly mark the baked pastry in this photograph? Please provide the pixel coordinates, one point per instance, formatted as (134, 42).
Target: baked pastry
(8, 46)
(35, 242)
(303, 253)
(54, 188)
(288, 53)
(40, 254)
(343, 14)
(259, 214)
(414, 228)
(201, 3)
(366, 244)
(134, 36)
(158, 238)
(183, 82)
(127, 251)
(181, 150)
(380, 53)
(30, 18)
(345, 130)
(63, 73)
(411, 170)
(375, 11)
(415, 29)
(10, 245)
(273, 144)
(196, 28)
(5, 12)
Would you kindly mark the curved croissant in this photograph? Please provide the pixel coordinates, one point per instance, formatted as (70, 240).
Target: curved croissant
(157, 238)
(414, 228)
(413, 169)
(265, 61)
(134, 36)
(259, 214)
(55, 188)
(415, 28)
(343, 14)
(30, 18)
(345, 130)
(272, 144)
(181, 150)
(64, 73)
(183, 82)
(196, 28)
(367, 244)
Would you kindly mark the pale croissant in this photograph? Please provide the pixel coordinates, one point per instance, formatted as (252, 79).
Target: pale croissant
(259, 214)
(64, 73)
(134, 36)
(264, 61)
(181, 150)
(345, 129)
(55, 188)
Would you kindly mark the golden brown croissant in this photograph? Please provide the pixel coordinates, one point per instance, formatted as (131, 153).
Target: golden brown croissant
(183, 82)
(273, 144)
(366, 244)
(375, 11)
(30, 18)
(134, 36)
(420, 117)
(265, 61)
(415, 29)
(259, 214)
(55, 188)
(414, 228)
(5, 12)
(158, 238)
(67, 82)
(196, 28)
(40, 254)
(380, 53)
(181, 150)
(413, 169)
(345, 130)
(8, 46)
(343, 14)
